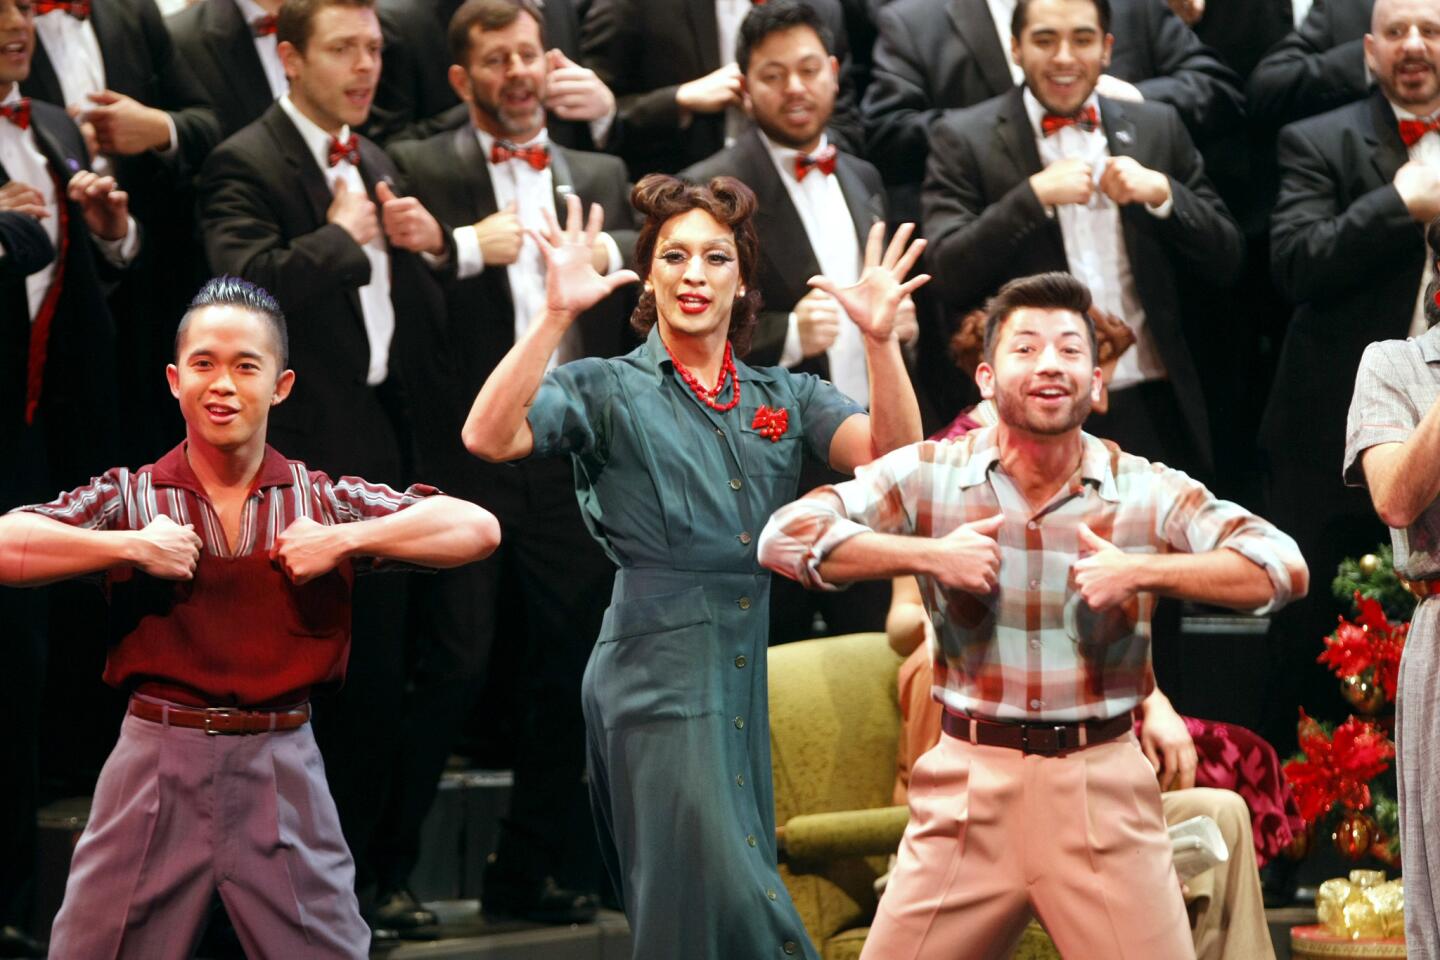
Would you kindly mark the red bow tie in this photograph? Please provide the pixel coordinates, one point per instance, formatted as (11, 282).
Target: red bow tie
(17, 113)
(1087, 120)
(1412, 130)
(263, 26)
(345, 150)
(824, 161)
(538, 156)
(79, 9)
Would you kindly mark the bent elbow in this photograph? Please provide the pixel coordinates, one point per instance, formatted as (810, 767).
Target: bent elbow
(1394, 514)
(485, 534)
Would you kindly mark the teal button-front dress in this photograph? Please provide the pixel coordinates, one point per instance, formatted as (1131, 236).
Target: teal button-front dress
(675, 692)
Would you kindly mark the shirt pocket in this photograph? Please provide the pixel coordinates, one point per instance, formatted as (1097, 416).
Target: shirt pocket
(765, 457)
(656, 660)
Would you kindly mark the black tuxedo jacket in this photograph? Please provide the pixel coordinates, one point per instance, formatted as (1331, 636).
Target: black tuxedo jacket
(645, 49)
(938, 55)
(1346, 252)
(986, 225)
(78, 396)
(786, 258)
(263, 203)
(414, 99)
(1316, 68)
(215, 41)
(24, 246)
(450, 175)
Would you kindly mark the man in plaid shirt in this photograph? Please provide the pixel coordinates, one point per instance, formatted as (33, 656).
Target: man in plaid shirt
(1040, 551)
(229, 568)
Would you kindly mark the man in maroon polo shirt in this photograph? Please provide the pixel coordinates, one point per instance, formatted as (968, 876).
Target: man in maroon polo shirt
(230, 568)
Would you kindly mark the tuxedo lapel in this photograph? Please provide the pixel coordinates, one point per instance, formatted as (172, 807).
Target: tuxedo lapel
(476, 172)
(562, 181)
(1016, 138)
(43, 83)
(784, 240)
(865, 207)
(108, 22)
(975, 30)
(228, 37)
(1120, 133)
(1389, 153)
(291, 147)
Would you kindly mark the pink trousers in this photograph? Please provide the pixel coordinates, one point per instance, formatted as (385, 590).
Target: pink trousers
(180, 815)
(995, 836)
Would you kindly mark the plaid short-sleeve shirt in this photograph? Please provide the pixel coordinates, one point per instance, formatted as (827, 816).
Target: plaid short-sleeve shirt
(1397, 383)
(1032, 650)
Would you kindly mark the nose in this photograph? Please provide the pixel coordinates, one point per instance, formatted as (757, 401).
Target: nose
(1049, 359)
(794, 83)
(1064, 52)
(223, 382)
(695, 270)
(1413, 40)
(369, 60)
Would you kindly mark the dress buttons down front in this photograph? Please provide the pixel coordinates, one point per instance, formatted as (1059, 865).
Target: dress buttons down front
(750, 840)
(790, 947)
(1036, 704)
(744, 537)
(770, 893)
(735, 483)
(719, 432)
(740, 661)
(739, 723)
(739, 779)
(743, 603)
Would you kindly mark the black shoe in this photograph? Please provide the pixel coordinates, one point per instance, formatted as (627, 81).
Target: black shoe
(399, 910)
(547, 903)
(15, 942)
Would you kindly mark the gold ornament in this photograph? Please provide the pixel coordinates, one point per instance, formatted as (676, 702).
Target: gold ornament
(1299, 846)
(1369, 564)
(1353, 835)
(1363, 693)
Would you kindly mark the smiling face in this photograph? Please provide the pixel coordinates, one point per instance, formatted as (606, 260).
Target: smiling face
(17, 41)
(333, 79)
(695, 274)
(792, 84)
(1062, 51)
(1402, 52)
(227, 376)
(1043, 377)
(503, 79)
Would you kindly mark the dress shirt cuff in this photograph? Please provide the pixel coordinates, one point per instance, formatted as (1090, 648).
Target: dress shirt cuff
(120, 253)
(469, 261)
(800, 535)
(612, 251)
(174, 146)
(791, 354)
(436, 261)
(1284, 565)
(600, 129)
(1163, 211)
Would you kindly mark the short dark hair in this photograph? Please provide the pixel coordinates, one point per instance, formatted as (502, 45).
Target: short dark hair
(1022, 12)
(487, 15)
(296, 17)
(227, 291)
(767, 18)
(1041, 291)
(660, 197)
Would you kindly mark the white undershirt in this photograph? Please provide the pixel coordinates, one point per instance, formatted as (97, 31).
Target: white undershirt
(1095, 243)
(375, 306)
(828, 226)
(1426, 150)
(265, 49)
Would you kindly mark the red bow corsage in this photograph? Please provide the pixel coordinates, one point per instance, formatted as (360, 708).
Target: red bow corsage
(771, 424)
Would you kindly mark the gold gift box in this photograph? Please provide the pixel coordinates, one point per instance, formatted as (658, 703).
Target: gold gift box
(1364, 906)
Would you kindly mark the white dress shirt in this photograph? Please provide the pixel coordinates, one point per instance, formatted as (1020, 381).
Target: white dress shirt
(1003, 12)
(531, 190)
(831, 232)
(375, 305)
(265, 49)
(1426, 150)
(1095, 243)
(729, 14)
(23, 162)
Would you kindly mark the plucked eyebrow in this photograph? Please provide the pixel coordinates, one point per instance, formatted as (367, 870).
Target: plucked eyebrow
(721, 243)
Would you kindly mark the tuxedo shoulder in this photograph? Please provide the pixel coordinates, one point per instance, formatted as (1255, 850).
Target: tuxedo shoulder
(916, 13)
(594, 163)
(1342, 123)
(961, 122)
(724, 163)
(184, 25)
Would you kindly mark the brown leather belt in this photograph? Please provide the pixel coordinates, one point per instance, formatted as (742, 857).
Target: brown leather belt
(1046, 738)
(1420, 589)
(221, 721)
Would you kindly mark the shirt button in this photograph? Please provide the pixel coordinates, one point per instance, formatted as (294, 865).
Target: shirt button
(770, 893)
(743, 603)
(1036, 704)
(750, 839)
(790, 947)
(740, 661)
(1034, 584)
(739, 779)
(744, 537)
(739, 723)
(735, 483)
(1035, 643)
(719, 432)
(1032, 525)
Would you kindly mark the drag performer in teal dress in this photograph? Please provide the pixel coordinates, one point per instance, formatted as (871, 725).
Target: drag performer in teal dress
(676, 478)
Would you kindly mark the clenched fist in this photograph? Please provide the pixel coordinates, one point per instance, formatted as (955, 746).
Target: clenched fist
(968, 557)
(168, 550)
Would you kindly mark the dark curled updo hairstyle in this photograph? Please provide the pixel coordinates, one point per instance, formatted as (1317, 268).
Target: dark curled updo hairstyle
(660, 197)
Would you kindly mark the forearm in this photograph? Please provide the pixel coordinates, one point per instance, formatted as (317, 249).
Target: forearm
(36, 550)
(878, 556)
(1221, 577)
(906, 621)
(436, 532)
(1402, 477)
(894, 411)
(497, 428)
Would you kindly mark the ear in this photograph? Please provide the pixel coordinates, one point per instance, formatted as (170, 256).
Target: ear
(459, 82)
(283, 385)
(985, 380)
(290, 58)
(1097, 385)
(172, 377)
(1014, 49)
(1109, 48)
(1369, 45)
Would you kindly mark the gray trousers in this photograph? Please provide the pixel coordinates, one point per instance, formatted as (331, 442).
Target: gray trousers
(179, 815)
(1417, 730)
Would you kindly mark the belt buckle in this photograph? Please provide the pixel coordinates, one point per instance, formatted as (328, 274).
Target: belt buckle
(1059, 731)
(217, 712)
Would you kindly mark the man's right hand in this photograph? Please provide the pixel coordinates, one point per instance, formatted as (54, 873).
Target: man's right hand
(1419, 187)
(1064, 181)
(712, 93)
(167, 550)
(968, 558)
(501, 236)
(23, 198)
(354, 212)
(817, 317)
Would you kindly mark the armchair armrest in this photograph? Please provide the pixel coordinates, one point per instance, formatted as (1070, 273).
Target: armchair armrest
(847, 833)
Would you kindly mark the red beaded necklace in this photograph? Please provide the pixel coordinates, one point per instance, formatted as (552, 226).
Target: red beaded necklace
(706, 396)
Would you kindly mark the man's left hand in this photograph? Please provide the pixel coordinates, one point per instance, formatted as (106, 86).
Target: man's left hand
(1106, 577)
(106, 207)
(573, 92)
(125, 126)
(408, 225)
(1167, 743)
(1126, 181)
(306, 550)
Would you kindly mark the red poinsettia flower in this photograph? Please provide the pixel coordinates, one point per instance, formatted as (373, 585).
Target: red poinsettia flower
(771, 424)
(1372, 643)
(1338, 768)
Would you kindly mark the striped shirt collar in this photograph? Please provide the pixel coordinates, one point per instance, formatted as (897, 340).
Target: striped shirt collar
(174, 470)
(1429, 343)
(1096, 463)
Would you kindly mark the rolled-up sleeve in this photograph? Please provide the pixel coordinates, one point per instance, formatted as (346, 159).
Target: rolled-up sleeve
(1381, 408)
(563, 416)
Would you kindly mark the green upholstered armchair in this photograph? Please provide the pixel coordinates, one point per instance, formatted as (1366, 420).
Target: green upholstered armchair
(834, 731)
